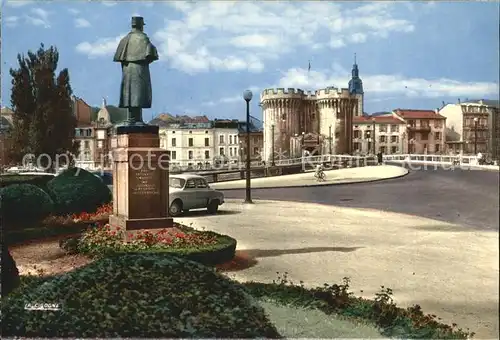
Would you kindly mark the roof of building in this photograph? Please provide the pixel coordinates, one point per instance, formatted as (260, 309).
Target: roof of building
(487, 102)
(163, 119)
(386, 119)
(116, 114)
(418, 114)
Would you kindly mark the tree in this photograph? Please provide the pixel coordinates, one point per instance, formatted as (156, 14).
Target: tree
(43, 120)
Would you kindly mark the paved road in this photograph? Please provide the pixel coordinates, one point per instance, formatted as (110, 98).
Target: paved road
(466, 197)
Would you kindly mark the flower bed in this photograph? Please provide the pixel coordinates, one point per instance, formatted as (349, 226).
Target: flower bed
(202, 246)
(59, 226)
(337, 300)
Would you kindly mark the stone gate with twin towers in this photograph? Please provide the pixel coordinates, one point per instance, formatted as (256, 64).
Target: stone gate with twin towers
(300, 123)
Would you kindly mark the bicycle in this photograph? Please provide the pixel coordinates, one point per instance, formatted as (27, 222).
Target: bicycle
(320, 177)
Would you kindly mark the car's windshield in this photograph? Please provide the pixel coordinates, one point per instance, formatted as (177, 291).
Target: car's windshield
(176, 182)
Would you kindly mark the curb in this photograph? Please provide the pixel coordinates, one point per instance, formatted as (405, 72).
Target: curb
(317, 185)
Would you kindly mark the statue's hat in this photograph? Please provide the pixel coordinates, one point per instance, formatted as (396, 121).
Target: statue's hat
(138, 21)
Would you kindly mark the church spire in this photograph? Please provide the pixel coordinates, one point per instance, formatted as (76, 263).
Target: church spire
(355, 84)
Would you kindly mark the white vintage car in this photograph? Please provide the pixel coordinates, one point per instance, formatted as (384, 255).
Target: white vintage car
(190, 191)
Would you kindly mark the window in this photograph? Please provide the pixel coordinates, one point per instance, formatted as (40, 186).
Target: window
(190, 154)
(221, 139)
(173, 155)
(412, 123)
(424, 123)
(100, 144)
(231, 152)
(206, 131)
(424, 136)
(394, 149)
(207, 154)
(235, 139)
(230, 139)
(394, 128)
(221, 151)
(86, 145)
(190, 184)
(174, 142)
(190, 131)
(173, 131)
(255, 151)
(383, 149)
(255, 139)
(190, 142)
(382, 139)
(437, 148)
(438, 136)
(176, 182)
(357, 146)
(357, 134)
(367, 134)
(207, 141)
(201, 183)
(394, 139)
(383, 128)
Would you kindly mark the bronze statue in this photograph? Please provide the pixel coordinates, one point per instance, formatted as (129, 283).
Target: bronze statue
(135, 52)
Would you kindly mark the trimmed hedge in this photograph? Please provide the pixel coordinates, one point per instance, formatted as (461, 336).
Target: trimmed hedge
(38, 180)
(40, 232)
(104, 242)
(23, 204)
(76, 190)
(147, 295)
(10, 274)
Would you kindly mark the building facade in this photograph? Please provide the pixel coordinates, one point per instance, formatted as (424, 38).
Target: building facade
(374, 134)
(425, 131)
(473, 127)
(320, 122)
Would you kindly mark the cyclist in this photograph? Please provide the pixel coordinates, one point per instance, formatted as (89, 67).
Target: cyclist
(319, 174)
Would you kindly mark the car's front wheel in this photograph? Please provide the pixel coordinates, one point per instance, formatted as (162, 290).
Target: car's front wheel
(175, 208)
(213, 206)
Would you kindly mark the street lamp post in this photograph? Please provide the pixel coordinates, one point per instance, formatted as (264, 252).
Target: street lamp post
(330, 138)
(373, 120)
(272, 145)
(247, 96)
(368, 134)
(408, 137)
(475, 135)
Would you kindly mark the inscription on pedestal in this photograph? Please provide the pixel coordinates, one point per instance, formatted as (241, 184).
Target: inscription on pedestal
(145, 184)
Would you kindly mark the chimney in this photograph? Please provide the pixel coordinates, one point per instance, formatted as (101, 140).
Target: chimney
(437, 111)
(443, 103)
(459, 100)
(103, 102)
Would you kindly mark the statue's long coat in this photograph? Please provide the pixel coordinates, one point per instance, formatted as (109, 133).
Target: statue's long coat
(135, 52)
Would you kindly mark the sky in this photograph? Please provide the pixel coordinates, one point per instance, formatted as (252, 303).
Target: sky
(411, 55)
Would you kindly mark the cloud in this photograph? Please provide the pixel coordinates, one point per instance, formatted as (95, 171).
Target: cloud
(17, 3)
(383, 84)
(232, 99)
(74, 11)
(99, 48)
(109, 3)
(245, 35)
(39, 17)
(11, 21)
(81, 23)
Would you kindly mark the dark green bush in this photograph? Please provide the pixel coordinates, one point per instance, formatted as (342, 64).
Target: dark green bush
(10, 274)
(38, 180)
(204, 247)
(23, 204)
(138, 296)
(76, 190)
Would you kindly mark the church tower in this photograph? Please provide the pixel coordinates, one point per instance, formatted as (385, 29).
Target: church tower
(356, 87)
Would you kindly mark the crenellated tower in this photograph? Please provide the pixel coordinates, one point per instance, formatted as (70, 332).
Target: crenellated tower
(356, 87)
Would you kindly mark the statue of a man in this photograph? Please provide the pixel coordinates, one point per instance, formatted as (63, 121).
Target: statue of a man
(135, 52)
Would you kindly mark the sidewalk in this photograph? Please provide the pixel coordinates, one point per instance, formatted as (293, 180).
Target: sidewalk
(341, 176)
(435, 264)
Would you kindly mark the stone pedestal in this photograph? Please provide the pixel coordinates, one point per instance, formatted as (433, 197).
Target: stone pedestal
(140, 181)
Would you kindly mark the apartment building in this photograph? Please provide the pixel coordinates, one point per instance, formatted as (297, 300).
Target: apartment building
(227, 142)
(473, 127)
(425, 131)
(374, 134)
(189, 144)
(256, 141)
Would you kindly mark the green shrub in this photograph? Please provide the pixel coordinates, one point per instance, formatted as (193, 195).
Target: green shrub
(10, 274)
(24, 203)
(76, 190)
(336, 299)
(143, 295)
(205, 247)
(38, 180)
